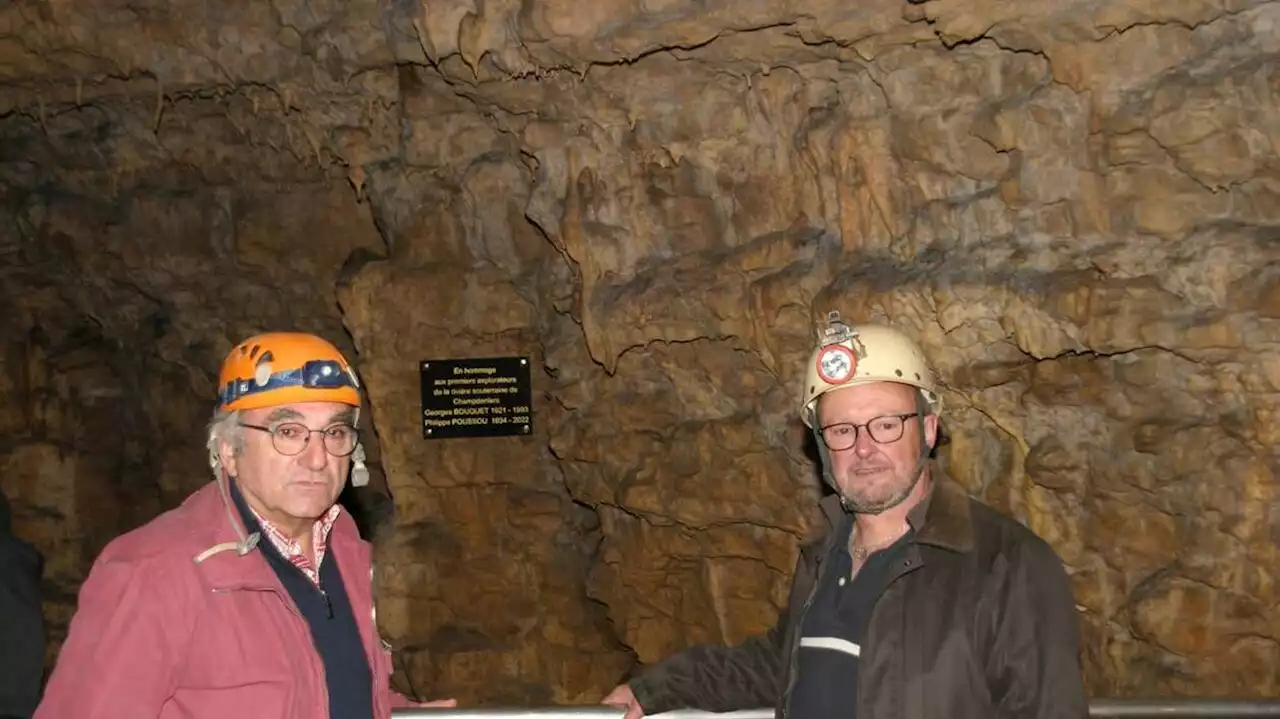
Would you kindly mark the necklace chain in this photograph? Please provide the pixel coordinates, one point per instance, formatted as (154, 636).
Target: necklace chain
(861, 551)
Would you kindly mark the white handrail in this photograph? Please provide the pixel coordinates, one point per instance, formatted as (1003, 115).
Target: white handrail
(589, 711)
(1186, 708)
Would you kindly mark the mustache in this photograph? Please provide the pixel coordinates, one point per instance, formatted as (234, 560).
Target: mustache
(870, 468)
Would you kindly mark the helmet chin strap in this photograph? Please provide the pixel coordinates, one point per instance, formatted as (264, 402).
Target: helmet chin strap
(917, 471)
(245, 542)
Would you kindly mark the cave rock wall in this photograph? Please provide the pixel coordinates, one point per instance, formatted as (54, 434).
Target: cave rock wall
(1075, 206)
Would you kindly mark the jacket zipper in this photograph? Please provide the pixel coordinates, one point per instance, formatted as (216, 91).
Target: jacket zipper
(373, 659)
(798, 631)
(908, 567)
(376, 644)
(288, 605)
(796, 634)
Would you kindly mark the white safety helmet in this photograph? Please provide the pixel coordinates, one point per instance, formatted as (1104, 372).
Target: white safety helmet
(847, 356)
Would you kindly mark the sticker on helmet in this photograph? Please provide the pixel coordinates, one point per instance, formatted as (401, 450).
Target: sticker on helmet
(836, 364)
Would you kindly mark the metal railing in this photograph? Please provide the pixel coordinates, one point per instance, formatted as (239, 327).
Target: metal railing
(1101, 708)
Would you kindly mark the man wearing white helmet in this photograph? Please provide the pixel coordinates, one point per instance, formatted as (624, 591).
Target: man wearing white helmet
(917, 602)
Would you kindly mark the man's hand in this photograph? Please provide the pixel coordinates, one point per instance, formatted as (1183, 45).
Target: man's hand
(439, 704)
(623, 697)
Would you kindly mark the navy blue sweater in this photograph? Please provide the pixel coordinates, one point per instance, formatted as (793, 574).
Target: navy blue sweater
(327, 610)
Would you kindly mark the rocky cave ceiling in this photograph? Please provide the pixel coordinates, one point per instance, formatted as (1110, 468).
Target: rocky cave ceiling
(1074, 204)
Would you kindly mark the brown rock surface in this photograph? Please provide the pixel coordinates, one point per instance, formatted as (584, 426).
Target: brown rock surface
(1074, 205)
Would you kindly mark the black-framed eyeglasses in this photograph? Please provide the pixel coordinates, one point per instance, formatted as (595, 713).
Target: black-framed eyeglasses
(885, 429)
(291, 438)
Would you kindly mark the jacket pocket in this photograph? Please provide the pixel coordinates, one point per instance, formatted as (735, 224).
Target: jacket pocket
(270, 698)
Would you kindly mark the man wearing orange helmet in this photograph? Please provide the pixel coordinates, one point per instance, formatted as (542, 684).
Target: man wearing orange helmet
(917, 602)
(254, 597)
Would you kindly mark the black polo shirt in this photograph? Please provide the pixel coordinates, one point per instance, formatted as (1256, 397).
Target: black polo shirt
(831, 631)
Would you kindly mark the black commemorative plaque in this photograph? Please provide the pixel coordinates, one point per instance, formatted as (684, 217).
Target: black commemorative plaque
(477, 397)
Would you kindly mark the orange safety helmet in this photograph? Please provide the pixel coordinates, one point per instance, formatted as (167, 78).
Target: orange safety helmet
(284, 367)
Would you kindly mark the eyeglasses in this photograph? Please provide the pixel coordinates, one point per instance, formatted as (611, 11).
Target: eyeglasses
(291, 438)
(884, 430)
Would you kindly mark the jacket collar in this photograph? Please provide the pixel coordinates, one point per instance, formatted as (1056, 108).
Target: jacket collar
(941, 519)
(216, 521)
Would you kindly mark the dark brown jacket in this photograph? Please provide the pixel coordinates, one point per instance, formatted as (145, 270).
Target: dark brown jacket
(977, 621)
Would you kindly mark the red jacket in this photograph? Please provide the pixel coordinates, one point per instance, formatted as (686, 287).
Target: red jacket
(173, 622)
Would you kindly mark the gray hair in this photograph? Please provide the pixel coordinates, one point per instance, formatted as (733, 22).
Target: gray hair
(223, 428)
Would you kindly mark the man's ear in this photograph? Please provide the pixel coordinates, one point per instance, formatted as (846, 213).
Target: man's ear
(227, 455)
(931, 431)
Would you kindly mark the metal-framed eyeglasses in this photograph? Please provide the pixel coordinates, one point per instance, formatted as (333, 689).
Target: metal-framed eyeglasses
(885, 429)
(291, 438)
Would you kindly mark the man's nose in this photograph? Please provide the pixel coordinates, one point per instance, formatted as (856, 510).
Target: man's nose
(864, 446)
(314, 455)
